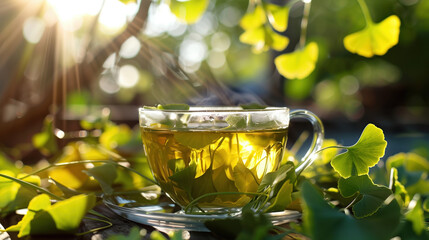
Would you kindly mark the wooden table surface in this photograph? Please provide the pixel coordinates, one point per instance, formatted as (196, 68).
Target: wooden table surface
(120, 226)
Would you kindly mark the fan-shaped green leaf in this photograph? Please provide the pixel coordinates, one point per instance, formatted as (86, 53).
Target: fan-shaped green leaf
(185, 177)
(189, 11)
(411, 161)
(298, 64)
(13, 195)
(245, 179)
(253, 19)
(105, 175)
(374, 39)
(263, 38)
(277, 16)
(373, 194)
(62, 217)
(364, 154)
(282, 199)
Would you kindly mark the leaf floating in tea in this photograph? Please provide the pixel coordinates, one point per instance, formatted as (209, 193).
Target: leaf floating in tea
(373, 194)
(196, 140)
(176, 165)
(203, 185)
(245, 179)
(251, 106)
(236, 122)
(185, 177)
(174, 106)
(364, 154)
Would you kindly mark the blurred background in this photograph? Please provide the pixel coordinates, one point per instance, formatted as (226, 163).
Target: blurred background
(82, 60)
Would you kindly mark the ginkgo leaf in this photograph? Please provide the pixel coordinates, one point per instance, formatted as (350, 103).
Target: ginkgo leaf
(196, 141)
(277, 16)
(375, 38)
(416, 215)
(253, 19)
(245, 180)
(105, 175)
(62, 217)
(298, 64)
(13, 195)
(322, 221)
(282, 199)
(263, 38)
(364, 154)
(189, 11)
(373, 194)
(400, 191)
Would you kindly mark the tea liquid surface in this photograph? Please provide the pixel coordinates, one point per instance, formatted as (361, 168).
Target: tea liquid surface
(188, 164)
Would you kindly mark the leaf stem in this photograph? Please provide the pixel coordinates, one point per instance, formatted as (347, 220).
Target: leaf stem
(109, 224)
(365, 11)
(196, 200)
(350, 204)
(30, 185)
(91, 161)
(304, 24)
(330, 147)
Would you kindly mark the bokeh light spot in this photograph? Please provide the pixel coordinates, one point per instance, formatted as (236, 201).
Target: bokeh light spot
(128, 76)
(33, 29)
(130, 48)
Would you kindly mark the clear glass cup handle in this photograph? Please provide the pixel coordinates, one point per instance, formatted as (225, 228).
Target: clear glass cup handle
(318, 134)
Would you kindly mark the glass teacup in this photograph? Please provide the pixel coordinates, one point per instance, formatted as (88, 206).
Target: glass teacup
(218, 155)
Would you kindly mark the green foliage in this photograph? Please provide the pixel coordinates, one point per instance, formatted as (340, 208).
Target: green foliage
(250, 226)
(13, 195)
(373, 195)
(416, 216)
(282, 199)
(277, 16)
(105, 175)
(364, 154)
(298, 64)
(321, 221)
(61, 218)
(45, 140)
(134, 234)
(374, 39)
(377, 211)
(412, 172)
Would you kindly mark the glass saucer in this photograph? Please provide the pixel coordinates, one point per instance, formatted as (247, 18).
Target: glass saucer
(151, 207)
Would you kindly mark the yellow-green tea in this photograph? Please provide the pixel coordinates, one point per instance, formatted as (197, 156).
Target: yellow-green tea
(189, 164)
